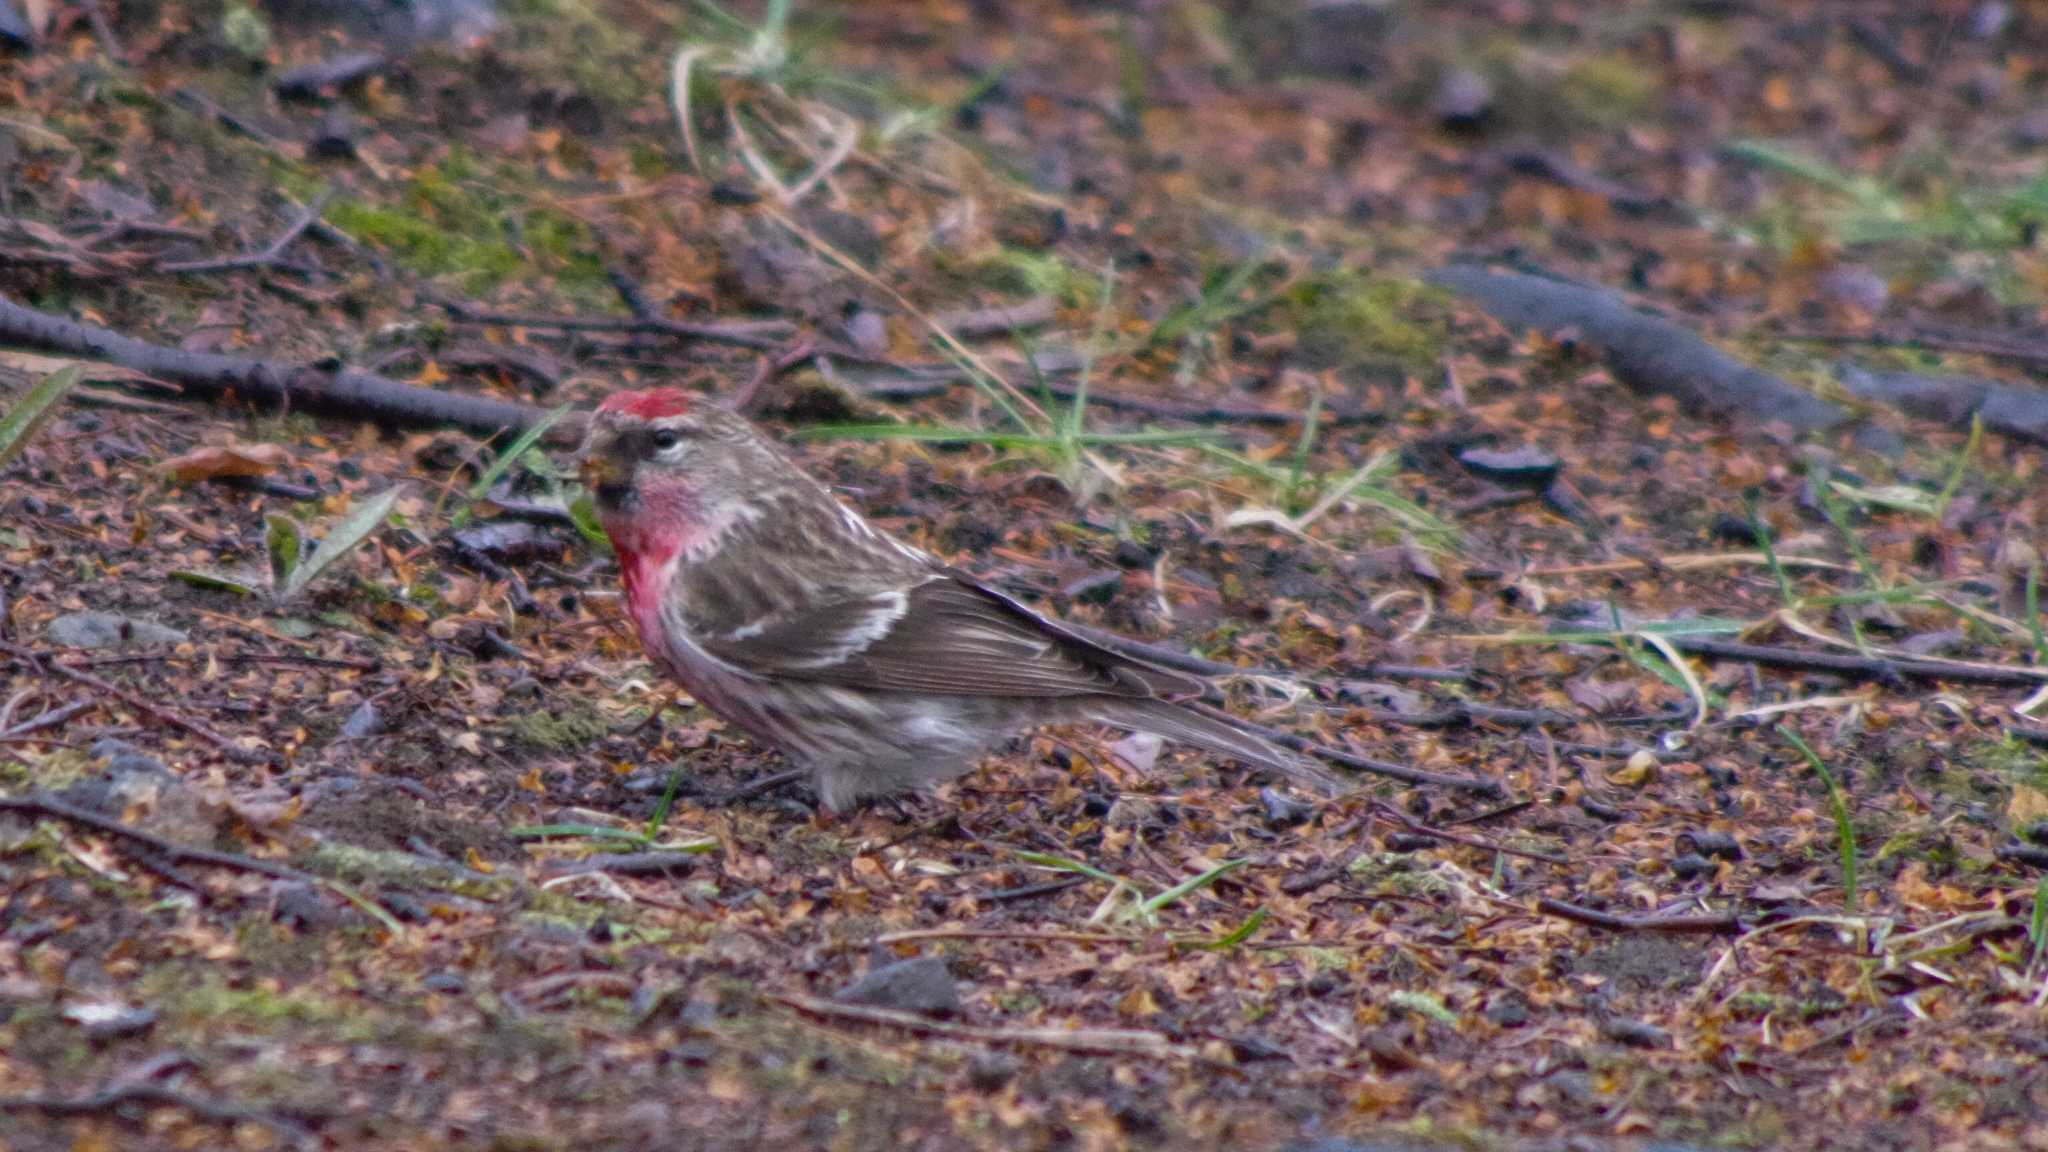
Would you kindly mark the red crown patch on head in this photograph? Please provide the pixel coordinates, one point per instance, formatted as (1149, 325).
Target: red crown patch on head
(648, 403)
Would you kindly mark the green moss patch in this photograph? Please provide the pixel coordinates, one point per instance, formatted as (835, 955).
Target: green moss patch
(558, 730)
(452, 221)
(1349, 319)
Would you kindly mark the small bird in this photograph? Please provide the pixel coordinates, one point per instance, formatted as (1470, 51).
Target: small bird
(871, 664)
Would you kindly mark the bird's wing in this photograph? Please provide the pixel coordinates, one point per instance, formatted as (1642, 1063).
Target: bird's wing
(949, 634)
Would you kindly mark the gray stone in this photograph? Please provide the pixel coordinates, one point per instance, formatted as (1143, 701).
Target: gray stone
(923, 985)
(109, 630)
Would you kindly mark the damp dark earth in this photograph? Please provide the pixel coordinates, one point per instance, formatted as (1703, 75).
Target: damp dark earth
(1608, 436)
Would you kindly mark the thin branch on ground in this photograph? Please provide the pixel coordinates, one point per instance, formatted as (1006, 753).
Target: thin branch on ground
(923, 381)
(1030, 891)
(760, 785)
(205, 105)
(1463, 713)
(1975, 342)
(750, 398)
(288, 658)
(108, 1101)
(157, 712)
(766, 335)
(1409, 824)
(1704, 923)
(37, 804)
(49, 719)
(1003, 934)
(628, 864)
(1169, 657)
(1097, 1041)
(978, 323)
(270, 257)
(1863, 667)
(631, 294)
(103, 31)
(1386, 768)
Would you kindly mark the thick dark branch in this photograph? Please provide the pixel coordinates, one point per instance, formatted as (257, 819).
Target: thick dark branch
(346, 393)
(1861, 667)
(2012, 409)
(1648, 353)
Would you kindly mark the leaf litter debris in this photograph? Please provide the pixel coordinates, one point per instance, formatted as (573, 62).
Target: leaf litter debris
(1128, 312)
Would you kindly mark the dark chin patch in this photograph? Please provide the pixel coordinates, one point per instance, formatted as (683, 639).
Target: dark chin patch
(617, 497)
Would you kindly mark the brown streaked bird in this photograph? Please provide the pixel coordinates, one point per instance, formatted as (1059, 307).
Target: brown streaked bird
(871, 664)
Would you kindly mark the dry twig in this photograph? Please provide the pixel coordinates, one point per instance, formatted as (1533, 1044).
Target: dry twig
(271, 256)
(1711, 922)
(1386, 768)
(37, 804)
(157, 712)
(110, 1100)
(1098, 1041)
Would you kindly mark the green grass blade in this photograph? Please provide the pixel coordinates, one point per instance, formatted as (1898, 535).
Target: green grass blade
(719, 15)
(1218, 304)
(342, 539)
(1785, 161)
(1077, 415)
(1426, 1005)
(284, 545)
(993, 388)
(1063, 864)
(2034, 614)
(215, 581)
(510, 456)
(2037, 926)
(1762, 531)
(668, 801)
(1956, 470)
(584, 831)
(1845, 831)
(1152, 906)
(370, 907)
(1830, 502)
(583, 513)
(1304, 448)
(25, 417)
(1237, 935)
(1257, 470)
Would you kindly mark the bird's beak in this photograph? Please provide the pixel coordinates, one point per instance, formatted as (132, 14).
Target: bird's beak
(607, 477)
(600, 469)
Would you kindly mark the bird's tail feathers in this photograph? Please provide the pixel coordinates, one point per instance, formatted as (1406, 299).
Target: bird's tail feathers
(1179, 723)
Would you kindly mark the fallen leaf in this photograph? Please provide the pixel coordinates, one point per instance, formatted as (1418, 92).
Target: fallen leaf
(215, 461)
(2027, 806)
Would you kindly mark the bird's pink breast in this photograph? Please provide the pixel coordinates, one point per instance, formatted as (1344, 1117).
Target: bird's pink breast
(646, 576)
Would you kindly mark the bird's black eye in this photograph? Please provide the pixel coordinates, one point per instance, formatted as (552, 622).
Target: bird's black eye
(665, 439)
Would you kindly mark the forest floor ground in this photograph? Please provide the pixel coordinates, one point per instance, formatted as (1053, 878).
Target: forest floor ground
(483, 886)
